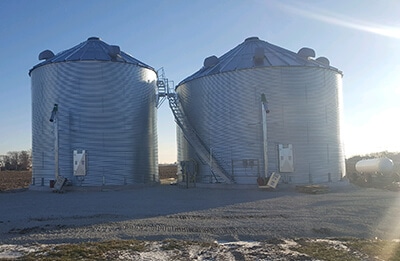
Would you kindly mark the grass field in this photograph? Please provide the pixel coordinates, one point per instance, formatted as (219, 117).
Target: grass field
(11, 180)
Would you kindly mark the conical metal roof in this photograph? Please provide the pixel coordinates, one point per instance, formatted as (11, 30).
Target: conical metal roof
(254, 52)
(94, 49)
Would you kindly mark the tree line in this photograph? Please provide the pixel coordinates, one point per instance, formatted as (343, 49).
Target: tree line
(16, 160)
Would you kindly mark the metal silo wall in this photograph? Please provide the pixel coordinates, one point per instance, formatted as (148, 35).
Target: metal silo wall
(305, 107)
(105, 108)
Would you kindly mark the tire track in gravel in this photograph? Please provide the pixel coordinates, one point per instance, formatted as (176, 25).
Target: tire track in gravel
(234, 216)
(205, 224)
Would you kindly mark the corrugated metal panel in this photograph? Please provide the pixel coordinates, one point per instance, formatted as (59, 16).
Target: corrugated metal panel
(105, 108)
(245, 54)
(92, 50)
(225, 110)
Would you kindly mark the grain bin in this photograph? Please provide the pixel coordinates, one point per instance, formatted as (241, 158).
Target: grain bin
(260, 109)
(101, 103)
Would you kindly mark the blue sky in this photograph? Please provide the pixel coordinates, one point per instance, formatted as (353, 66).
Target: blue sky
(361, 38)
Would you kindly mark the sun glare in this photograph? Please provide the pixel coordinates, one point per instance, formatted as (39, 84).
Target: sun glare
(392, 220)
(368, 138)
(344, 21)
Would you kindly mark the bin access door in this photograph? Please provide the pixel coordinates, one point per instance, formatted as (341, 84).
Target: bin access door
(79, 163)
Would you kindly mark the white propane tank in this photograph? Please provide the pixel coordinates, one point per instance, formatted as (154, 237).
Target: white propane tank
(377, 165)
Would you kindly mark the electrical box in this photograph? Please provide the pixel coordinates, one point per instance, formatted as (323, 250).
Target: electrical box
(79, 163)
(286, 158)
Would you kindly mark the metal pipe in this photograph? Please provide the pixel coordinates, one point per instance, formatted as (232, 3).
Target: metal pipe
(54, 120)
(264, 111)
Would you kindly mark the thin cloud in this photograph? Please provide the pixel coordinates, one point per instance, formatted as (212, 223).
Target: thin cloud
(340, 20)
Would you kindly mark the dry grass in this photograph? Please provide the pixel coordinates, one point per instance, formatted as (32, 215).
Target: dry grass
(306, 249)
(10, 180)
(167, 171)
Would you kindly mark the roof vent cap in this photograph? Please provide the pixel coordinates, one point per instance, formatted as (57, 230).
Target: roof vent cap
(306, 52)
(114, 51)
(93, 38)
(210, 61)
(46, 54)
(323, 60)
(253, 38)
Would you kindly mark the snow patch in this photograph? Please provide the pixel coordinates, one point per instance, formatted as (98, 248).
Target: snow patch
(16, 251)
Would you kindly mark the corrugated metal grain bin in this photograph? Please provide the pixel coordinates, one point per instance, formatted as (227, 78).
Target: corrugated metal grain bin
(260, 109)
(102, 104)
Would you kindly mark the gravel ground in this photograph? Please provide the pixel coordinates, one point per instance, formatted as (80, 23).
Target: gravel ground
(202, 214)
